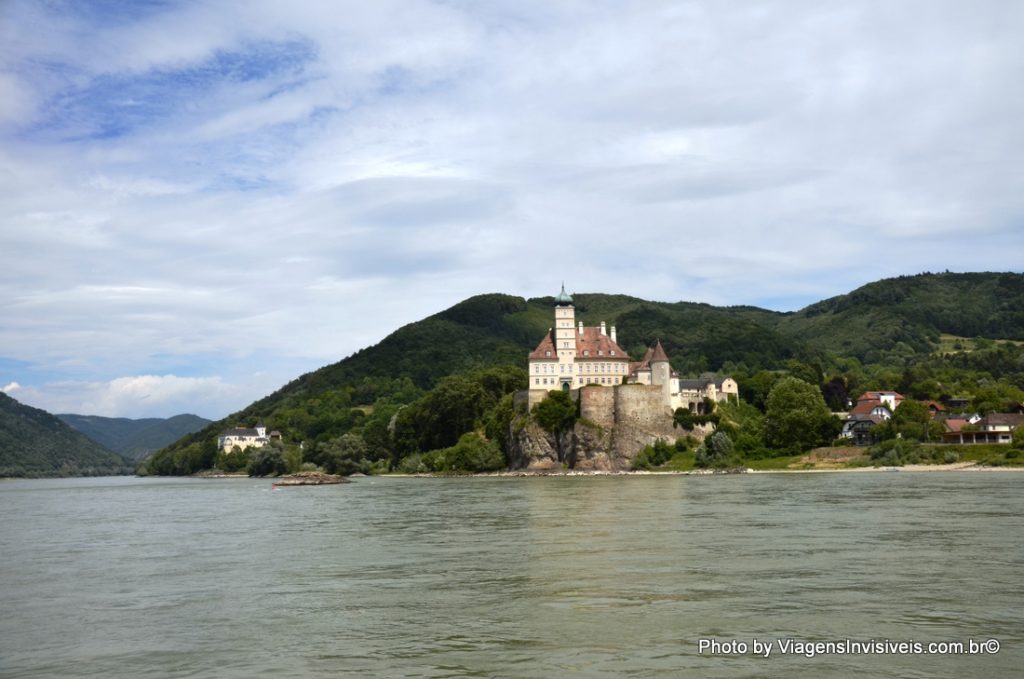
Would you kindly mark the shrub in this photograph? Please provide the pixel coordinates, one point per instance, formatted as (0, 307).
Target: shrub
(413, 464)
(656, 455)
(894, 452)
(473, 453)
(717, 451)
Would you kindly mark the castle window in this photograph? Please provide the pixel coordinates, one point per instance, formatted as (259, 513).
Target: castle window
(613, 352)
(586, 352)
(600, 353)
(547, 353)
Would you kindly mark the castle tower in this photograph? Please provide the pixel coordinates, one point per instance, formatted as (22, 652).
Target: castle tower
(661, 372)
(565, 337)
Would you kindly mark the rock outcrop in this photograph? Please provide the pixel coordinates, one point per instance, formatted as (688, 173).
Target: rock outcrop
(607, 446)
(310, 479)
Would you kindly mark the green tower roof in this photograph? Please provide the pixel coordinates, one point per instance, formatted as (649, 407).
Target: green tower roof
(564, 298)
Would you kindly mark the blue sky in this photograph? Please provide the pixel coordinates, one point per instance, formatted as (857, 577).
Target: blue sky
(199, 201)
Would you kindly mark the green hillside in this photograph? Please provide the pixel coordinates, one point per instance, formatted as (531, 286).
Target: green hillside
(883, 335)
(134, 439)
(909, 314)
(35, 443)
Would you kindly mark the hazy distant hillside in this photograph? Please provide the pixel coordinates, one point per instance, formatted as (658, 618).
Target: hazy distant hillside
(35, 443)
(134, 439)
(881, 323)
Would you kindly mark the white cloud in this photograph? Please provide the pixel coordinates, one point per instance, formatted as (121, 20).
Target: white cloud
(11, 388)
(135, 396)
(284, 184)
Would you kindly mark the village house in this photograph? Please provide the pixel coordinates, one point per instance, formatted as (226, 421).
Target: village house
(255, 437)
(571, 356)
(890, 399)
(993, 428)
(873, 408)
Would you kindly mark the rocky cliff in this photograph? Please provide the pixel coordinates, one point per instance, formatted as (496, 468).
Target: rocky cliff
(591, 446)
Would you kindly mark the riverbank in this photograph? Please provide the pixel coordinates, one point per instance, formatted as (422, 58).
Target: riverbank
(954, 467)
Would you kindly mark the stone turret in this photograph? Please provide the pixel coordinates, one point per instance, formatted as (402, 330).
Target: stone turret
(661, 372)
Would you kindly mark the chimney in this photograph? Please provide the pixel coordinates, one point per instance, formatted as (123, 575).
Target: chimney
(613, 335)
(604, 331)
(581, 327)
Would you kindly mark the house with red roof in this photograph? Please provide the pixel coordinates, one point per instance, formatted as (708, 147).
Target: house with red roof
(891, 399)
(871, 410)
(993, 428)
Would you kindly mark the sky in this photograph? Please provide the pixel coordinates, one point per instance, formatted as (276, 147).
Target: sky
(200, 201)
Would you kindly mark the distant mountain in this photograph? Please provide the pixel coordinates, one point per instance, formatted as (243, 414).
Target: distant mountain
(35, 443)
(134, 439)
(879, 323)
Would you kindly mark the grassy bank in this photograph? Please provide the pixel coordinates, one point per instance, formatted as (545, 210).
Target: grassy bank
(936, 454)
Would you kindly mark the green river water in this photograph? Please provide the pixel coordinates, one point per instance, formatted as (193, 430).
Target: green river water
(510, 577)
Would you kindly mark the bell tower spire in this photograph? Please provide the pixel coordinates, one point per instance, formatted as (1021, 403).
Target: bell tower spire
(565, 336)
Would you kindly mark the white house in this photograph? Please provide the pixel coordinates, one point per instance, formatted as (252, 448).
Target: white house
(245, 438)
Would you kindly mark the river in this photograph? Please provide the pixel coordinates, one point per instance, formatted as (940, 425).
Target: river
(510, 577)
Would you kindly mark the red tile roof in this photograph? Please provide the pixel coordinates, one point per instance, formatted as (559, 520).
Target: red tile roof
(598, 347)
(546, 348)
(865, 407)
(955, 425)
(877, 395)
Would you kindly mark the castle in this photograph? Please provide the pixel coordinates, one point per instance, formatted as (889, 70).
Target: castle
(572, 356)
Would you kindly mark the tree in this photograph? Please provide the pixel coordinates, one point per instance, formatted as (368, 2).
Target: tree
(835, 393)
(267, 461)
(498, 420)
(912, 421)
(343, 455)
(797, 417)
(716, 451)
(556, 413)
(233, 460)
(755, 390)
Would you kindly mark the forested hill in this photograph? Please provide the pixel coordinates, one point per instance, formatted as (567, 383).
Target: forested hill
(908, 314)
(35, 443)
(885, 323)
(134, 439)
